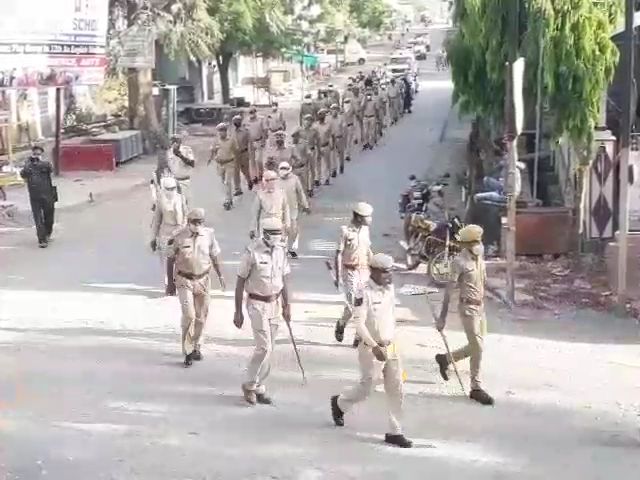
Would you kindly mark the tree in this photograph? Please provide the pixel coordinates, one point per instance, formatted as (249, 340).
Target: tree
(257, 26)
(578, 63)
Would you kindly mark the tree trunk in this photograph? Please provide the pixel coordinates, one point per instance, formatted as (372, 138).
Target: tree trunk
(223, 61)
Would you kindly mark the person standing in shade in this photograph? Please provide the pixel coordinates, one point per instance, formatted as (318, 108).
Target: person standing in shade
(241, 135)
(224, 151)
(291, 185)
(42, 194)
(375, 320)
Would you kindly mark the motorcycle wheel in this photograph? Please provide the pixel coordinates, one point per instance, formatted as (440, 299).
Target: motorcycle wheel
(413, 257)
(440, 268)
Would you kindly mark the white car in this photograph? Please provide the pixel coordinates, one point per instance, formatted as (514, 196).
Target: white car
(399, 64)
(420, 51)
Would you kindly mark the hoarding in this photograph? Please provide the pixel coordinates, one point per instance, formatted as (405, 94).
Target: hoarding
(52, 42)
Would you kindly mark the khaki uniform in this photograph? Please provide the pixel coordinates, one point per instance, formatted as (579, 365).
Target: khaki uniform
(370, 112)
(275, 122)
(308, 108)
(257, 142)
(242, 138)
(225, 153)
(182, 173)
(264, 270)
(270, 205)
(300, 165)
(277, 155)
(338, 131)
(296, 200)
(394, 99)
(194, 255)
(325, 147)
(310, 138)
(169, 218)
(350, 121)
(334, 96)
(376, 322)
(355, 247)
(470, 275)
(382, 108)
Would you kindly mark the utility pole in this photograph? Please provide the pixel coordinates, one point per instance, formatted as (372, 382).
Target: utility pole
(629, 112)
(536, 162)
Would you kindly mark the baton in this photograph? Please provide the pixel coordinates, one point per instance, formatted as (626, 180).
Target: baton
(295, 349)
(446, 345)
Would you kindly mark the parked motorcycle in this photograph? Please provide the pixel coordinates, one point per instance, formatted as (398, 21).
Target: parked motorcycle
(414, 201)
(434, 244)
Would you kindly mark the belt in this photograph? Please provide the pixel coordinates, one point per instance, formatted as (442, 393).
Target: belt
(349, 124)
(256, 139)
(369, 116)
(471, 301)
(193, 276)
(264, 298)
(182, 179)
(244, 150)
(324, 145)
(224, 162)
(347, 266)
(338, 136)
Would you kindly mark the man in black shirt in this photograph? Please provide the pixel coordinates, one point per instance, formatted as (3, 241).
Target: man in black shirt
(42, 193)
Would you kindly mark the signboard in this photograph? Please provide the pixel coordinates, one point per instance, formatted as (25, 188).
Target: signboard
(53, 42)
(76, 22)
(138, 48)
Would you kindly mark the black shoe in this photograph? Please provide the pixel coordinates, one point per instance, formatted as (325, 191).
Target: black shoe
(227, 205)
(341, 170)
(481, 397)
(316, 183)
(310, 193)
(262, 399)
(336, 413)
(255, 180)
(398, 440)
(237, 193)
(188, 360)
(356, 342)
(443, 363)
(334, 174)
(196, 355)
(293, 254)
(250, 185)
(339, 332)
(348, 158)
(43, 244)
(326, 182)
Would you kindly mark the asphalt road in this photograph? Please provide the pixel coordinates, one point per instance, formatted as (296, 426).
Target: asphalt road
(93, 386)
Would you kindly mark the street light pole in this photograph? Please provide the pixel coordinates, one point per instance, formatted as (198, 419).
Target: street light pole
(629, 112)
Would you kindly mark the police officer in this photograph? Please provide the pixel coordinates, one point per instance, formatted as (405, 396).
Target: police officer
(195, 252)
(224, 152)
(241, 135)
(394, 98)
(309, 136)
(375, 321)
(370, 113)
(469, 274)
(275, 120)
(270, 202)
(338, 131)
(325, 147)
(308, 107)
(333, 93)
(263, 274)
(182, 165)
(350, 119)
(301, 161)
(291, 185)
(352, 260)
(168, 219)
(257, 143)
(42, 194)
(279, 152)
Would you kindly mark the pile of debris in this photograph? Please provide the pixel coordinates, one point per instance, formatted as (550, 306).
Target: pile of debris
(557, 284)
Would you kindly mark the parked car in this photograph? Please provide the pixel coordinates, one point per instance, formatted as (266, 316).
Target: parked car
(420, 51)
(399, 64)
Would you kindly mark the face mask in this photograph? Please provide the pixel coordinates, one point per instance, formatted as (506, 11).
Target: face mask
(368, 97)
(284, 174)
(477, 250)
(237, 124)
(195, 229)
(274, 109)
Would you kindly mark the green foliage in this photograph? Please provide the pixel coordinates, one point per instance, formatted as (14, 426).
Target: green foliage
(579, 57)
(369, 14)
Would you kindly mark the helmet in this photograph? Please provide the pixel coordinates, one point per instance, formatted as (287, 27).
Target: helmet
(221, 126)
(269, 175)
(363, 209)
(471, 233)
(236, 117)
(196, 214)
(284, 166)
(381, 261)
